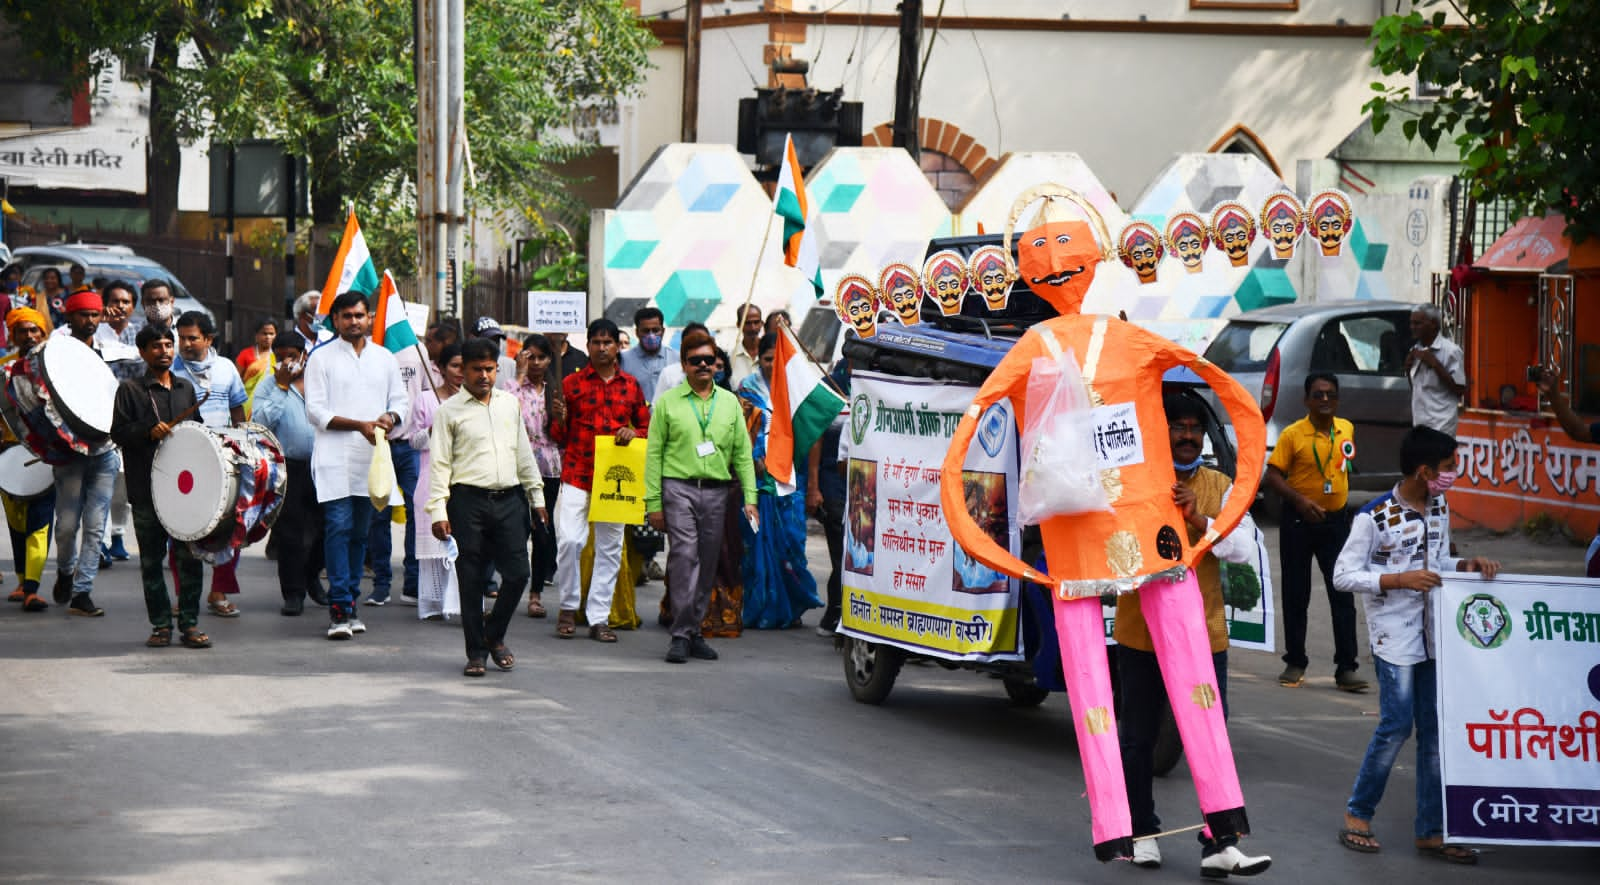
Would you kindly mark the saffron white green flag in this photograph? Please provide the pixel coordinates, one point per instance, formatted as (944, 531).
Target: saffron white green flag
(799, 219)
(391, 327)
(352, 267)
(804, 403)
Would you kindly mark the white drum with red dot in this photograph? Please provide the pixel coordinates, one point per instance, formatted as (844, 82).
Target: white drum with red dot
(195, 479)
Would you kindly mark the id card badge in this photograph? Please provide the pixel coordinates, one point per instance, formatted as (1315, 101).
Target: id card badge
(706, 449)
(1327, 487)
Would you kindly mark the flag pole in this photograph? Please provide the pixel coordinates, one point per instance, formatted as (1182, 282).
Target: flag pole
(756, 272)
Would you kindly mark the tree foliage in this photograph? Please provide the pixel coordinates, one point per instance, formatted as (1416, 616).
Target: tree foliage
(334, 79)
(1517, 95)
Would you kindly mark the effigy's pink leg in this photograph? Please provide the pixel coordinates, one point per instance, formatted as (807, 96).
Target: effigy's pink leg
(1080, 631)
(1177, 618)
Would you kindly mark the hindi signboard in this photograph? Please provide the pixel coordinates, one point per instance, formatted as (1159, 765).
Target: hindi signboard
(558, 312)
(1519, 709)
(906, 582)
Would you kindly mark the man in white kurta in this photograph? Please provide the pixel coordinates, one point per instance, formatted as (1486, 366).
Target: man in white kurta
(353, 391)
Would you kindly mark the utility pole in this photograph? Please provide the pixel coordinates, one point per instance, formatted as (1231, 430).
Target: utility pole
(425, 69)
(906, 86)
(691, 74)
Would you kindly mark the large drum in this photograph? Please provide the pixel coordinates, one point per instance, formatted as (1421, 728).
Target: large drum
(23, 475)
(62, 394)
(218, 487)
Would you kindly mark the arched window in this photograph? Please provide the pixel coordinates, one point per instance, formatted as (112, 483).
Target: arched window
(1240, 140)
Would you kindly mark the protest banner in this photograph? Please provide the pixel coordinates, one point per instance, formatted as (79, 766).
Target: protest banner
(906, 582)
(558, 312)
(1519, 708)
(417, 316)
(617, 494)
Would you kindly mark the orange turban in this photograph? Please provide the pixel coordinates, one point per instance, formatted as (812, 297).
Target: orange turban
(25, 315)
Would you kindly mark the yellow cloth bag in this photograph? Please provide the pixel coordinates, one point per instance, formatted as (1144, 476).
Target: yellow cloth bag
(618, 491)
(380, 475)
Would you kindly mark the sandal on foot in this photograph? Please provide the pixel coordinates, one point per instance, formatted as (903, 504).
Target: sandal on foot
(1449, 853)
(602, 633)
(1359, 840)
(193, 638)
(17, 595)
(536, 608)
(32, 603)
(567, 624)
(160, 637)
(222, 608)
(502, 656)
(474, 668)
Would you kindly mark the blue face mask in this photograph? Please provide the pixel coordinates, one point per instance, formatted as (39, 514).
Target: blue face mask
(1192, 465)
(720, 377)
(651, 342)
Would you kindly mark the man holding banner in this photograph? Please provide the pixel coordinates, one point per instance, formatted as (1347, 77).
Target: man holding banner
(602, 400)
(1398, 545)
(697, 441)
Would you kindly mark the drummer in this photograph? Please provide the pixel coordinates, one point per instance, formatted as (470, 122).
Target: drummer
(144, 413)
(84, 486)
(222, 398)
(28, 521)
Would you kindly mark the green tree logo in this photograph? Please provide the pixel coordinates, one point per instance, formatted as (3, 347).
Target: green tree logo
(1482, 620)
(619, 474)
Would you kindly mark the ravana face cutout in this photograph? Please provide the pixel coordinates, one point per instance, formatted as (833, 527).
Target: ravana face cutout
(1186, 237)
(1140, 248)
(945, 280)
(1057, 261)
(1232, 230)
(989, 271)
(1330, 220)
(857, 304)
(1283, 221)
(901, 293)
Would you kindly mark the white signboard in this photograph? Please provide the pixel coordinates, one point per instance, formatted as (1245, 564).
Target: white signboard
(1519, 708)
(417, 315)
(906, 581)
(558, 311)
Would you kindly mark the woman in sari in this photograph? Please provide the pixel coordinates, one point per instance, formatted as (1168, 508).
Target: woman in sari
(778, 588)
(437, 592)
(539, 398)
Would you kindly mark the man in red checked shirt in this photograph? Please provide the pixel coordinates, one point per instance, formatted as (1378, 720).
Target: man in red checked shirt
(598, 400)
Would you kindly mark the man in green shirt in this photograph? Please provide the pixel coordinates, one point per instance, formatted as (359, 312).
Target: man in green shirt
(697, 445)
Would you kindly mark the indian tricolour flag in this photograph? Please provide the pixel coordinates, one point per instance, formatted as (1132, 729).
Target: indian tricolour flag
(803, 405)
(352, 267)
(390, 326)
(799, 219)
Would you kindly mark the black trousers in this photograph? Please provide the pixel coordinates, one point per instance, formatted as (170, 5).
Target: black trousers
(542, 557)
(490, 527)
(299, 534)
(1144, 701)
(1299, 542)
(832, 519)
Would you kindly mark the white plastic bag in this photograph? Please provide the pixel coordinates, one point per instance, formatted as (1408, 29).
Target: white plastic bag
(380, 474)
(1060, 473)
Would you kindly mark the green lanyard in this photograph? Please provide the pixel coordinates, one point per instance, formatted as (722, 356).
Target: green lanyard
(1332, 447)
(711, 409)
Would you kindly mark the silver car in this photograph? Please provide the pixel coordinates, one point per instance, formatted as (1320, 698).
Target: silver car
(1272, 350)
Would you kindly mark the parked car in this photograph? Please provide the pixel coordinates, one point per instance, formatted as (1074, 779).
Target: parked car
(103, 261)
(1272, 350)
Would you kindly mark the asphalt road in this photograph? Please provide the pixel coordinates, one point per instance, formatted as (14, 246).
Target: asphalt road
(278, 756)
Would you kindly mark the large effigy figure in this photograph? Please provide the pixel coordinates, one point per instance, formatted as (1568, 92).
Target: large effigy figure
(1138, 543)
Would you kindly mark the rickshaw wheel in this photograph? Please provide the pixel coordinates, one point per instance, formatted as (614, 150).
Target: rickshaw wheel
(870, 669)
(1024, 693)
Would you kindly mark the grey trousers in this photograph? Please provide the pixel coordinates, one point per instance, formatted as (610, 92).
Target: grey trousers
(694, 515)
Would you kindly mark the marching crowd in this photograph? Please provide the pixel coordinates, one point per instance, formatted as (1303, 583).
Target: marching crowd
(492, 457)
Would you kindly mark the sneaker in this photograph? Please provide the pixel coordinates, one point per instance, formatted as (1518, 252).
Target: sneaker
(678, 650)
(339, 630)
(82, 605)
(1231, 861)
(105, 557)
(825, 632)
(653, 572)
(118, 551)
(62, 592)
(410, 599)
(700, 651)
(1146, 853)
(376, 602)
(1292, 677)
(1347, 680)
(356, 626)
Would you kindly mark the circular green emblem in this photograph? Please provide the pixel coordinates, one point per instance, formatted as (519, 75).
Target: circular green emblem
(860, 418)
(1482, 621)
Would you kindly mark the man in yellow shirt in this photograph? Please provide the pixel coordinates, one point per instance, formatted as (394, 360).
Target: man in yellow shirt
(1310, 469)
(482, 480)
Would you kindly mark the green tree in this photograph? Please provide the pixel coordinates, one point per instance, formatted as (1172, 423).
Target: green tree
(334, 79)
(1517, 97)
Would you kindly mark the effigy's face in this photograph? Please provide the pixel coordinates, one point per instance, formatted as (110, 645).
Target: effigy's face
(1236, 243)
(1283, 230)
(1057, 260)
(901, 293)
(1144, 258)
(1331, 230)
(1190, 247)
(861, 313)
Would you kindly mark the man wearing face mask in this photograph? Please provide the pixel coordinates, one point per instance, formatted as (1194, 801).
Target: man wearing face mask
(156, 296)
(305, 321)
(646, 360)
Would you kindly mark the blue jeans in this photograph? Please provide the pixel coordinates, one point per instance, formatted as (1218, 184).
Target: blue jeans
(380, 540)
(83, 498)
(1405, 695)
(346, 522)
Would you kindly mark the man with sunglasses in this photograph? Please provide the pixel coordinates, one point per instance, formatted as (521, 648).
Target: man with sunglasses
(697, 443)
(1310, 470)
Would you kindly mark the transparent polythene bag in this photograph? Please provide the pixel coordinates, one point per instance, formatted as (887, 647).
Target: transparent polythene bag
(1060, 470)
